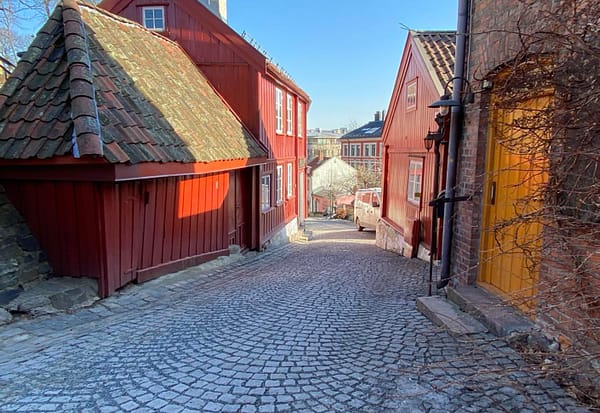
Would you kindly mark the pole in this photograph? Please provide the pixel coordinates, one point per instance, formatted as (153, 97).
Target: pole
(455, 123)
(434, 212)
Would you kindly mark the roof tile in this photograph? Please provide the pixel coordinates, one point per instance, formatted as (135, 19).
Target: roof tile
(439, 47)
(142, 95)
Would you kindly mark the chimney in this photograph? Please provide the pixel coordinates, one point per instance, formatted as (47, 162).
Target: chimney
(383, 115)
(377, 116)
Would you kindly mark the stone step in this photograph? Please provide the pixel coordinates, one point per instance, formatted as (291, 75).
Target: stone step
(500, 318)
(447, 315)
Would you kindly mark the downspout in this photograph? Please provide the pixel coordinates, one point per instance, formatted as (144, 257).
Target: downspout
(455, 130)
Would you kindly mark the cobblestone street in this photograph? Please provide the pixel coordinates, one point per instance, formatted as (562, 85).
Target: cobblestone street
(328, 325)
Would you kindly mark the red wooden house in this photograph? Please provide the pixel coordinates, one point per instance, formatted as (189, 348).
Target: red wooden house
(362, 147)
(269, 103)
(119, 153)
(408, 173)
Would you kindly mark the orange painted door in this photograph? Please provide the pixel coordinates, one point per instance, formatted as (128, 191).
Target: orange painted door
(512, 228)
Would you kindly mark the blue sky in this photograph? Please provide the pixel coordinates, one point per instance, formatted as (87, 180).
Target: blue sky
(343, 53)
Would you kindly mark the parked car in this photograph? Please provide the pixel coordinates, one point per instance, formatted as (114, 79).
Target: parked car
(367, 208)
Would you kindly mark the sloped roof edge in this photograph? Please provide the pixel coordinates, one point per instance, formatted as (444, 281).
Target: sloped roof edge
(434, 73)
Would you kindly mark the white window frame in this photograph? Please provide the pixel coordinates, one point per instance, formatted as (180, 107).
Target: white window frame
(290, 180)
(279, 184)
(367, 149)
(299, 121)
(278, 110)
(290, 115)
(355, 150)
(345, 149)
(150, 22)
(265, 198)
(411, 95)
(415, 178)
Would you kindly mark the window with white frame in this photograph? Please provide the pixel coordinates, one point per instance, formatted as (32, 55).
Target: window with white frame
(265, 197)
(373, 149)
(369, 149)
(290, 180)
(411, 95)
(290, 115)
(279, 184)
(154, 18)
(355, 149)
(299, 122)
(415, 175)
(278, 110)
(345, 149)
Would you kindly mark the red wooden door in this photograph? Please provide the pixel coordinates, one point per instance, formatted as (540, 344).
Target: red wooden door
(239, 207)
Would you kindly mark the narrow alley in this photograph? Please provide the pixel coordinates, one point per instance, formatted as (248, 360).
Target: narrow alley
(328, 325)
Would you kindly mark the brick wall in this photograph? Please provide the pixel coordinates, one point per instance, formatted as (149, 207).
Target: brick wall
(569, 287)
(492, 44)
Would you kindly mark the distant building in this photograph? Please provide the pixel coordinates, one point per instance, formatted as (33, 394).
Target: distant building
(324, 143)
(363, 146)
(328, 178)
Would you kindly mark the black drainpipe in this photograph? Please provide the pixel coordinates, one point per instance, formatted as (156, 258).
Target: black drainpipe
(455, 129)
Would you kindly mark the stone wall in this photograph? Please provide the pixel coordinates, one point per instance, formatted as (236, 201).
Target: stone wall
(21, 260)
(388, 238)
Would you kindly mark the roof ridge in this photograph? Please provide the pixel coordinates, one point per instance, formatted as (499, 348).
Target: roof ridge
(417, 32)
(84, 111)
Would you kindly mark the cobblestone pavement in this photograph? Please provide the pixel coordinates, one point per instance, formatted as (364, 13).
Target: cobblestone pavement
(324, 326)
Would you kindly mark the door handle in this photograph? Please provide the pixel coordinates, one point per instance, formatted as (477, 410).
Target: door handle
(493, 193)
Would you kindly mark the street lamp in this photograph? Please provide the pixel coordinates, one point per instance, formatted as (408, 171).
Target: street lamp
(434, 140)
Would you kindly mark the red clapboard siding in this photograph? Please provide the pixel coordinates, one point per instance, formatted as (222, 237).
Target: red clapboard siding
(403, 137)
(63, 216)
(114, 231)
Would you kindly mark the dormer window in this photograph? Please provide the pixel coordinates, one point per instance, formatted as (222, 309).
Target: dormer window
(154, 18)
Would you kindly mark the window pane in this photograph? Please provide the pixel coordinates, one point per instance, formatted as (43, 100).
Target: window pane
(414, 180)
(278, 110)
(290, 180)
(266, 192)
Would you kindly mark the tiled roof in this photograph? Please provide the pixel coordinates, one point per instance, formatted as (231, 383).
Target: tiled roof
(370, 130)
(95, 84)
(438, 48)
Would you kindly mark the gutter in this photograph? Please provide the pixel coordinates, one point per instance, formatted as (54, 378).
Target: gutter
(456, 118)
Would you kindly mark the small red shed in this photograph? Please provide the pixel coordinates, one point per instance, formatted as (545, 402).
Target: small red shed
(124, 160)
(268, 101)
(408, 173)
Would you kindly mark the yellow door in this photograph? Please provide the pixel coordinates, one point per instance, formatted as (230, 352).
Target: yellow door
(515, 175)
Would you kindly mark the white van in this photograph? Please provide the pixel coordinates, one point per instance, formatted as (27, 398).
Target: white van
(367, 208)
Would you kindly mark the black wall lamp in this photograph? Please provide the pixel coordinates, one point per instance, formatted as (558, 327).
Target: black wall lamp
(436, 138)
